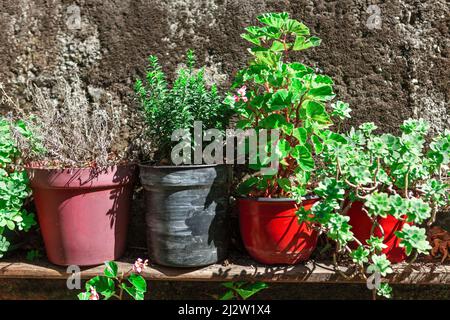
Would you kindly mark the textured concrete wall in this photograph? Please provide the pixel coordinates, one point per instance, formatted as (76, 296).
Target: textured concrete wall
(387, 74)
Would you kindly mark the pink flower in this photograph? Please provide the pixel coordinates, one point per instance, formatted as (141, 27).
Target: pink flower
(236, 98)
(244, 98)
(242, 91)
(139, 265)
(94, 295)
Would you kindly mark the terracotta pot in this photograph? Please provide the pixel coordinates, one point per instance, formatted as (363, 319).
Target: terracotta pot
(362, 225)
(186, 214)
(83, 213)
(271, 233)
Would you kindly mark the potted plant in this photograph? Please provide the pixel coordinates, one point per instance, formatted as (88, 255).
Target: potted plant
(377, 192)
(14, 184)
(291, 99)
(186, 214)
(82, 180)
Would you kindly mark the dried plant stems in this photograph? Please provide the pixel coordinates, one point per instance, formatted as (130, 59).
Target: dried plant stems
(75, 132)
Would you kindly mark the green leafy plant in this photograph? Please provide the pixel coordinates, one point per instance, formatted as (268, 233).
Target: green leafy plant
(276, 93)
(399, 176)
(168, 108)
(14, 188)
(242, 290)
(33, 255)
(112, 284)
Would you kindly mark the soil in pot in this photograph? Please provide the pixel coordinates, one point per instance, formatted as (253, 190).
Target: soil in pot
(271, 233)
(83, 213)
(362, 226)
(186, 215)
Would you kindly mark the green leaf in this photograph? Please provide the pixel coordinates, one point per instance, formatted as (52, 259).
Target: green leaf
(103, 285)
(278, 46)
(322, 93)
(300, 134)
(251, 38)
(316, 112)
(376, 244)
(296, 27)
(111, 269)
(10, 224)
(341, 110)
(318, 146)
(368, 127)
(276, 20)
(273, 121)
(135, 294)
(84, 296)
(229, 295)
(413, 237)
(302, 43)
(246, 186)
(360, 255)
(419, 210)
(385, 290)
(283, 148)
(303, 157)
(242, 124)
(251, 289)
(378, 204)
(381, 265)
(285, 184)
(138, 282)
(280, 100)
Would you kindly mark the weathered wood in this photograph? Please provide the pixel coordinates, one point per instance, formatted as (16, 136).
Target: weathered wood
(243, 269)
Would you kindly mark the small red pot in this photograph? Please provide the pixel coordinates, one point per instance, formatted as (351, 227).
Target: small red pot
(271, 232)
(362, 225)
(83, 214)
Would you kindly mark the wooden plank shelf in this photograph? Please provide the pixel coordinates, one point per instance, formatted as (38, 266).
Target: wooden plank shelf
(241, 269)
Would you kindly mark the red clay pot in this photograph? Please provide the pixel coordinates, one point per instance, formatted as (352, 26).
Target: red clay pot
(271, 232)
(83, 214)
(362, 225)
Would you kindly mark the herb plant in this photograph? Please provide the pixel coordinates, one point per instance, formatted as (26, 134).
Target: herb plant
(112, 284)
(14, 189)
(401, 176)
(277, 93)
(74, 132)
(168, 108)
(242, 290)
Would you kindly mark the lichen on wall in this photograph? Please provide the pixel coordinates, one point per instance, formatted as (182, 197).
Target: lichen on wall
(398, 70)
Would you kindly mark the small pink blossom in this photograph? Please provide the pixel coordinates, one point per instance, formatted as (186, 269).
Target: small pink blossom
(139, 265)
(94, 295)
(242, 91)
(236, 98)
(244, 98)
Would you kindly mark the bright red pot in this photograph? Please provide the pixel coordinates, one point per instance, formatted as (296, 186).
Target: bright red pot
(271, 232)
(362, 225)
(83, 214)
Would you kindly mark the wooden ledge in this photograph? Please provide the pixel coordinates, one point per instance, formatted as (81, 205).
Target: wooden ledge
(239, 270)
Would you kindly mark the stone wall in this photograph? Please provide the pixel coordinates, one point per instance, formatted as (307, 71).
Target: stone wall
(388, 73)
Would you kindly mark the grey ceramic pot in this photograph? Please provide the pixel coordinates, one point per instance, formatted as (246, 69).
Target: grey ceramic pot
(187, 213)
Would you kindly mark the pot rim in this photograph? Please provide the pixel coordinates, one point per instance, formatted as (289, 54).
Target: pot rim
(266, 199)
(29, 166)
(182, 167)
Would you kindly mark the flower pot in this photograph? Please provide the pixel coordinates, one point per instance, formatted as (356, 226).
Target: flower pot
(362, 225)
(271, 232)
(83, 213)
(186, 215)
